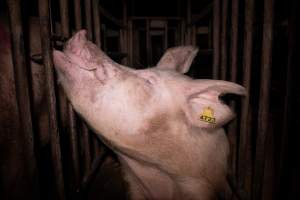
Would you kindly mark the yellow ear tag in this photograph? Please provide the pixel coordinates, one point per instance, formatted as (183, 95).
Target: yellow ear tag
(208, 115)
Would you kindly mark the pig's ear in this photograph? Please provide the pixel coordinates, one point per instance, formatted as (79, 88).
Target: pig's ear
(204, 108)
(178, 58)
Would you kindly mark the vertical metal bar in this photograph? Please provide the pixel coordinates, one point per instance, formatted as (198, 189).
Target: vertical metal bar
(22, 94)
(73, 137)
(74, 146)
(223, 66)
(48, 63)
(263, 111)
(232, 128)
(97, 39)
(216, 39)
(86, 153)
(88, 19)
(77, 12)
(64, 15)
(245, 157)
(85, 148)
(97, 23)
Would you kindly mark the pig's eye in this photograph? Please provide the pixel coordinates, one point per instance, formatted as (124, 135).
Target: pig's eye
(150, 78)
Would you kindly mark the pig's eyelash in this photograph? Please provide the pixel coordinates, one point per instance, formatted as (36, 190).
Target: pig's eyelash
(149, 78)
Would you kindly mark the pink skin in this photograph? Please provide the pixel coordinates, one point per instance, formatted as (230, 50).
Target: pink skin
(152, 119)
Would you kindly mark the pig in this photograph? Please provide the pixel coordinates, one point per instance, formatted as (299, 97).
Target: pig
(166, 128)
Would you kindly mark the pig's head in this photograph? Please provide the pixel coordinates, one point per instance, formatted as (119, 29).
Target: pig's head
(149, 114)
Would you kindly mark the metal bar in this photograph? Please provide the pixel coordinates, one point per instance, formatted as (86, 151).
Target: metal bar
(263, 111)
(54, 132)
(97, 24)
(232, 128)
(223, 66)
(73, 137)
(64, 15)
(106, 14)
(22, 94)
(245, 157)
(216, 39)
(91, 175)
(86, 148)
(88, 19)
(74, 146)
(77, 12)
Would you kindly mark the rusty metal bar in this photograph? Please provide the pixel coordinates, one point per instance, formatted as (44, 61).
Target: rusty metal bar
(232, 128)
(223, 65)
(54, 132)
(22, 94)
(77, 12)
(245, 155)
(216, 39)
(97, 24)
(263, 111)
(88, 19)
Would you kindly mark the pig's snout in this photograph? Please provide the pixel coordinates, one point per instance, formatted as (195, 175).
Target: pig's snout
(76, 43)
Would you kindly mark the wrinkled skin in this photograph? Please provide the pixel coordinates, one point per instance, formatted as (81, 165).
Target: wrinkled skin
(152, 119)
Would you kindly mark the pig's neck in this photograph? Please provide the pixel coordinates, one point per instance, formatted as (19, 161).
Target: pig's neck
(149, 182)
